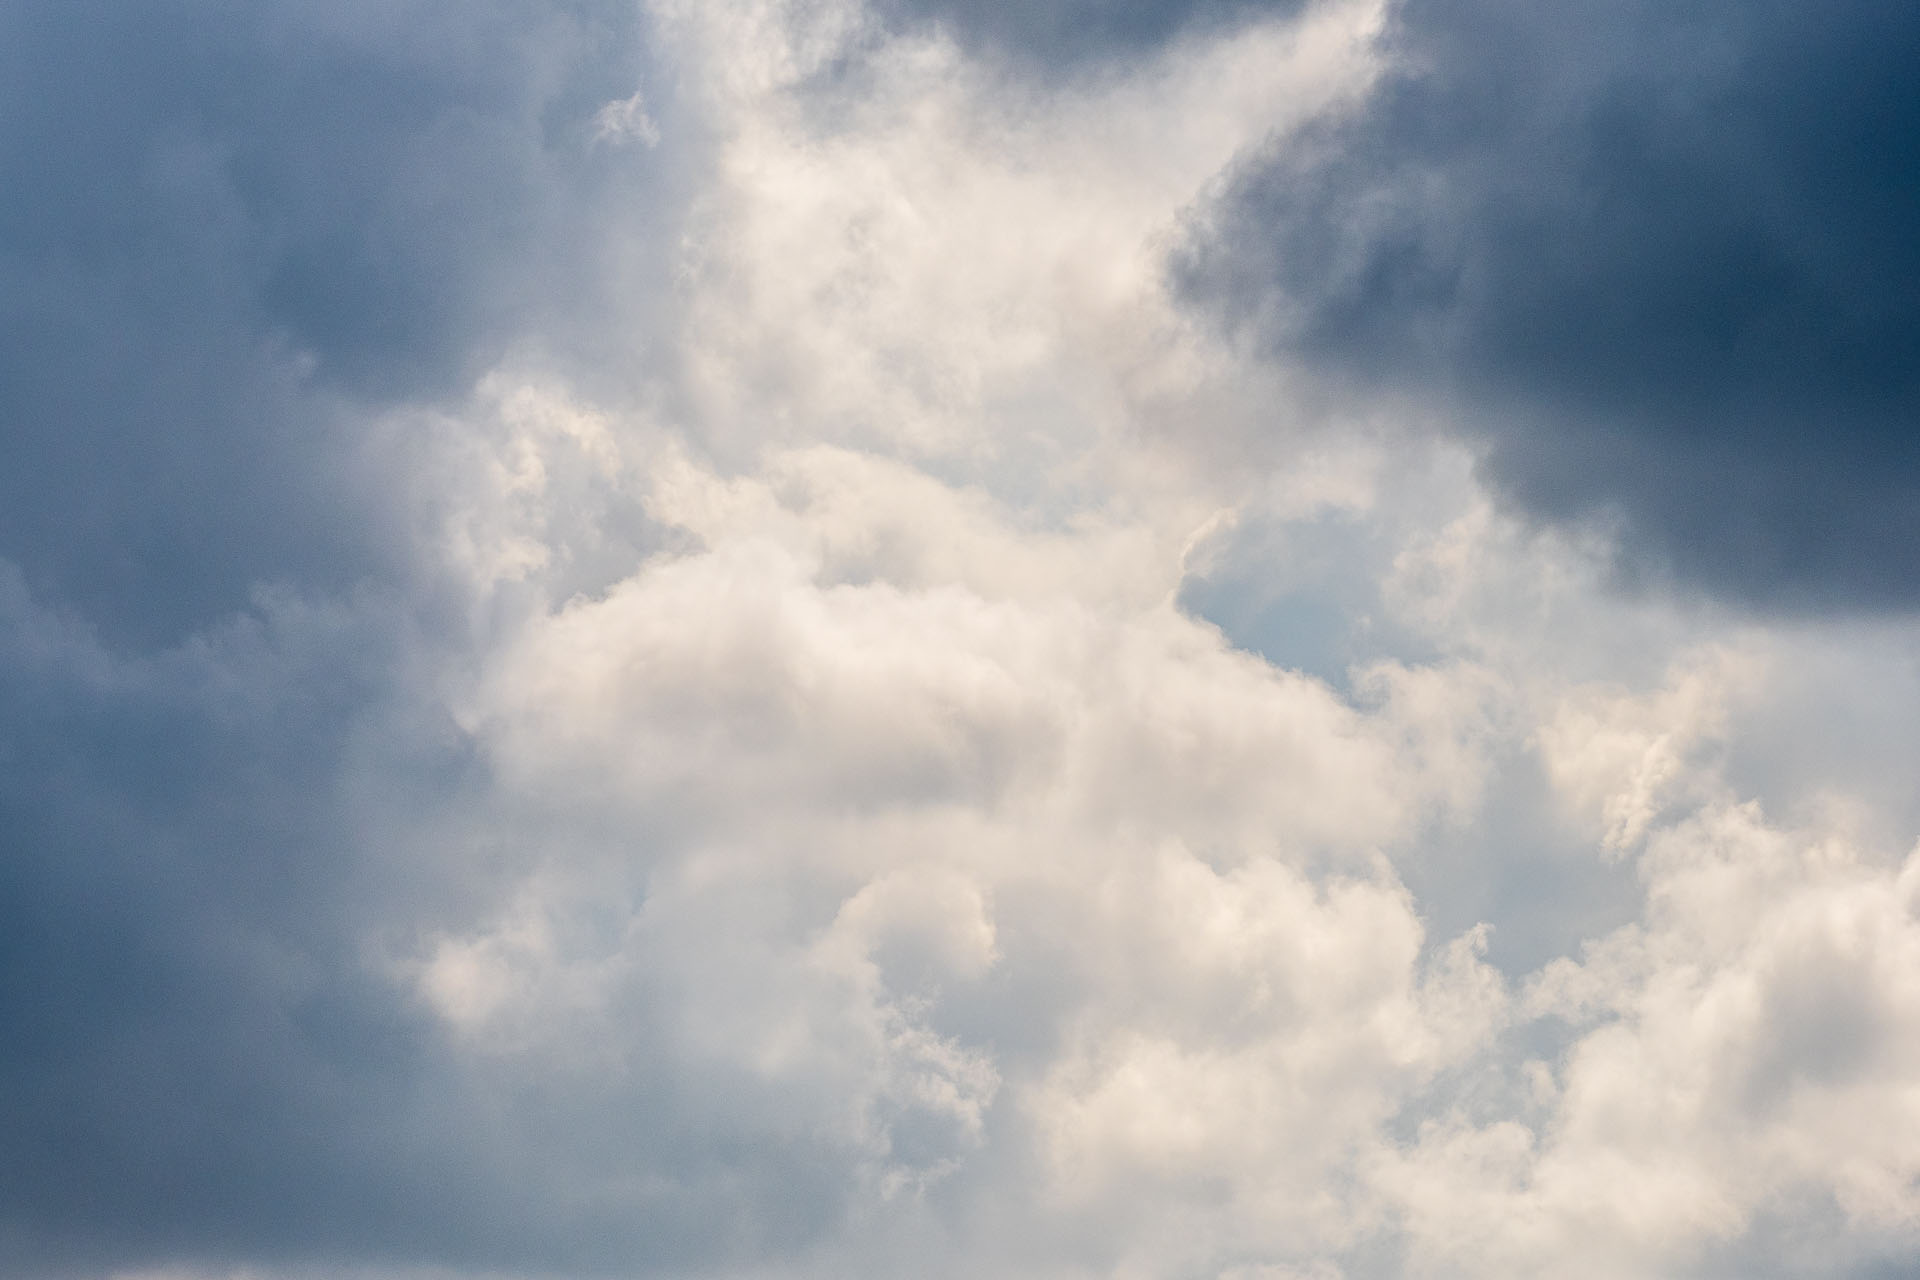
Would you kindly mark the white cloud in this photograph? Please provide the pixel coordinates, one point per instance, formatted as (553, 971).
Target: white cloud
(889, 801)
(848, 787)
(626, 120)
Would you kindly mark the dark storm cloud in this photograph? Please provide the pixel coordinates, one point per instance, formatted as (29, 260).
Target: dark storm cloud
(1052, 35)
(214, 862)
(232, 236)
(192, 1055)
(226, 232)
(1662, 257)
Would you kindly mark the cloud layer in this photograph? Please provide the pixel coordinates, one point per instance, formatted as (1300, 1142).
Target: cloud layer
(674, 641)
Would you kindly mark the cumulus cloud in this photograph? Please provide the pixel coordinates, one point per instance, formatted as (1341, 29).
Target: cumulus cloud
(847, 731)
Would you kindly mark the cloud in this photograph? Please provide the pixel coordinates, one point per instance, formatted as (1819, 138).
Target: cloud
(1750, 1031)
(184, 1003)
(1050, 35)
(870, 739)
(1654, 257)
(235, 230)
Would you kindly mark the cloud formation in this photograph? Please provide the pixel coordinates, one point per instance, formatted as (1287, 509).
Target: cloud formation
(839, 727)
(1655, 256)
(229, 232)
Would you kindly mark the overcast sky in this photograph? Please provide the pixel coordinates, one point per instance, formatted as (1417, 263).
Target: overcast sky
(959, 639)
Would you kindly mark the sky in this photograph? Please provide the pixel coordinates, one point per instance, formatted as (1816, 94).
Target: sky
(959, 639)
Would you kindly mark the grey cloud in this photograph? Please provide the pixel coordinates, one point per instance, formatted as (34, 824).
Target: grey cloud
(183, 1007)
(231, 233)
(1054, 35)
(1659, 257)
(232, 239)
(206, 857)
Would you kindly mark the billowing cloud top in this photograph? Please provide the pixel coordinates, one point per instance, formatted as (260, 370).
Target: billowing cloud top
(802, 639)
